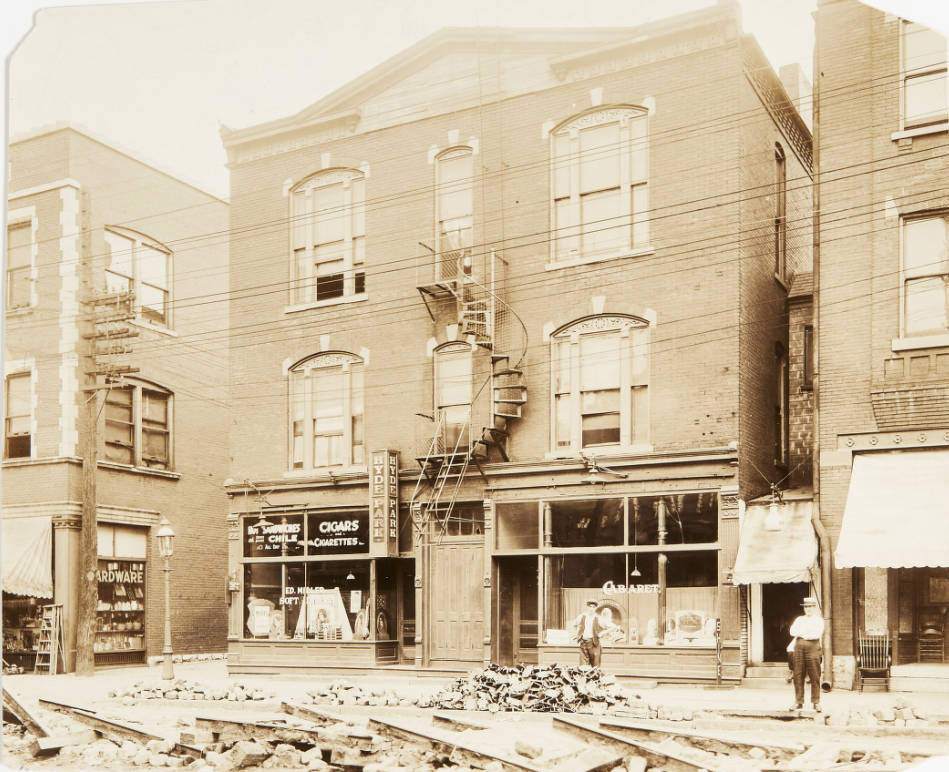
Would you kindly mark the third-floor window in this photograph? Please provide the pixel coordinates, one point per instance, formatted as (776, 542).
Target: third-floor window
(599, 182)
(328, 232)
(454, 209)
(925, 275)
(923, 69)
(141, 265)
(19, 264)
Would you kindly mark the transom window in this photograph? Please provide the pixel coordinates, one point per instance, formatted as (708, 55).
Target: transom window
(455, 209)
(599, 183)
(453, 393)
(18, 440)
(925, 275)
(326, 412)
(138, 426)
(923, 69)
(329, 236)
(142, 266)
(19, 264)
(600, 378)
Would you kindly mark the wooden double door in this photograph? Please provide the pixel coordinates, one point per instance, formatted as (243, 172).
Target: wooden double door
(456, 601)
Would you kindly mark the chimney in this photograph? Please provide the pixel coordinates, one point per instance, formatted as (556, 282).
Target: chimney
(799, 89)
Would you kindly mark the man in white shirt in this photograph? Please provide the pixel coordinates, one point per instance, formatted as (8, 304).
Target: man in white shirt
(588, 630)
(806, 633)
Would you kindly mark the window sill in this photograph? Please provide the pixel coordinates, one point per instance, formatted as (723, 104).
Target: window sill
(146, 325)
(327, 472)
(21, 461)
(20, 311)
(604, 451)
(940, 340)
(143, 470)
(292, 309)
(782, 281)
(920, 131)
(577, 261)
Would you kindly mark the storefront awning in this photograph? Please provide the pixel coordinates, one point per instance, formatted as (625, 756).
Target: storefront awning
(779, 549)
(897, 513)
(27, 556)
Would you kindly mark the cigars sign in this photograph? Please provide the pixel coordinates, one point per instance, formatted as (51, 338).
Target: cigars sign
(384, 502)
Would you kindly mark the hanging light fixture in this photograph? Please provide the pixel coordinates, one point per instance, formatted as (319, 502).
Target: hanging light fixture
(772, 521)
(350, 577)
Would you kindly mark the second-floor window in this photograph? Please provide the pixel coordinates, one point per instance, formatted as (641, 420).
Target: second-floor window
(138, 426)
(925, 275)
(142, 266)
(454, 209)
(453, 393)
(329, 236)
(600, 384)
(326, 412)
(780, 213)
(19, 417)
(19, 265)
(923, 69)
(599, 183)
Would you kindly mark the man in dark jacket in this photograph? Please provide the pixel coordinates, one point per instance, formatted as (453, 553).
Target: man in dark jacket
(588, 629)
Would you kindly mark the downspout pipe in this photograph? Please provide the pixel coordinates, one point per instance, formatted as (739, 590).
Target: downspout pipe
(823, 540)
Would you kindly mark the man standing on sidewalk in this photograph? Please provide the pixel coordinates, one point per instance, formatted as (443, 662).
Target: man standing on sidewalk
(806, 633)
(588, 630)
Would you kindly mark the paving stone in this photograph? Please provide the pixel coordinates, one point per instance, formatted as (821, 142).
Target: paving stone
(528, 750)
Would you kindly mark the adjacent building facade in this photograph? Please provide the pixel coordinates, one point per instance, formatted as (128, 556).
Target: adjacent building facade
(163, 430)
(884, 333)
(509, 330)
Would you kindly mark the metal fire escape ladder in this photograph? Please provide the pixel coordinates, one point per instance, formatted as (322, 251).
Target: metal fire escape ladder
(438, 468)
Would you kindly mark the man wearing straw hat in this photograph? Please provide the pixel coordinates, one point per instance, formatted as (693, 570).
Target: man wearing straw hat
(806, 633)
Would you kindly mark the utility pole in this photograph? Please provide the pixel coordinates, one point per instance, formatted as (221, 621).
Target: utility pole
(99, 313)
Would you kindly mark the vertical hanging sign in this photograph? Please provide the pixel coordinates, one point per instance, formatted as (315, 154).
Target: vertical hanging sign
(384, 502)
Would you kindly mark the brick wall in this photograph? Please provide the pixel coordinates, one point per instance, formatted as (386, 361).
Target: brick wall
(801, 396)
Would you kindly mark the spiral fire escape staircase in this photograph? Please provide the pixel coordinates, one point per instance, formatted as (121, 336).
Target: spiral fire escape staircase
(484, 320)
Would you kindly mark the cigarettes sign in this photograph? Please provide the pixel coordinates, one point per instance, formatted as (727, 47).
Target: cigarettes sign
(384, 502)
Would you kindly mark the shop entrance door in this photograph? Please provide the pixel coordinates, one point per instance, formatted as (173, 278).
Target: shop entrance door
(517, 610)
(457, 602)
(780, 605)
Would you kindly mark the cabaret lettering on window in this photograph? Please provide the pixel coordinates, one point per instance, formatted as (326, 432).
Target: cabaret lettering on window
(611, 588)
(384, 502)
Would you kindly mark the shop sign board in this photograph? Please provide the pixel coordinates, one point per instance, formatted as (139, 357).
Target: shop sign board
(384, 502)
(280, 535)
(610, 588)
(337, 533)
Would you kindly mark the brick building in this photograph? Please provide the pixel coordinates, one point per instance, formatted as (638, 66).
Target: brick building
(884, 334)
(509, 331)
(163, 430)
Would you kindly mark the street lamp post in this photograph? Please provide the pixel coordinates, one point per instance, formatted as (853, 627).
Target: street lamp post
(166, 548)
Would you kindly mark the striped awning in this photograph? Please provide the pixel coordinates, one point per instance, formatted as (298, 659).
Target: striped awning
(897, 513)
(27, 556)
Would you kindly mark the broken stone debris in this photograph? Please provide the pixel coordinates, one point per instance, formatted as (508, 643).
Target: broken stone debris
(181, 689)
(537, 688)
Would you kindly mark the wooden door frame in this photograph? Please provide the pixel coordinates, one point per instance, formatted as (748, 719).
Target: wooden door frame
(426, 645)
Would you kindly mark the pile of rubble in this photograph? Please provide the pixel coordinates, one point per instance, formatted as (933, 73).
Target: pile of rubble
(537, 688)
(347, 693)
(181, 689)
(901, 714)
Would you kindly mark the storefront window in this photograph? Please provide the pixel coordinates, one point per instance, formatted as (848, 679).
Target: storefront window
(691, 518)
(517, 526)
(589, 523)
(22, 617)
(120, 612)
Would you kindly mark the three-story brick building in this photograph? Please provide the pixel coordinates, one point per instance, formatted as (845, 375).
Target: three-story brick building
(884, 333)
(508, 332)
(74, 201)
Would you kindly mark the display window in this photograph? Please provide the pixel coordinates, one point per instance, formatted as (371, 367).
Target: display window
(310, 601)
(651, 586)
(121, 582)
(22, 618)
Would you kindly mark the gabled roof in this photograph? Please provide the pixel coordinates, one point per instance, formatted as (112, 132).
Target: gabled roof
(561, 44)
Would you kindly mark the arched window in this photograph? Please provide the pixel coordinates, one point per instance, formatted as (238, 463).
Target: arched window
(138, 425)
(140, 264)
(600, 383)
(454, 208)
(326, 411)
(453, 393)
(328, 232)
(599, 184)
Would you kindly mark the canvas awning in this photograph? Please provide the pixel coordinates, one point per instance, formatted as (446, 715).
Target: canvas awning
(897, 512)
(779, 549)
(27, 556)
